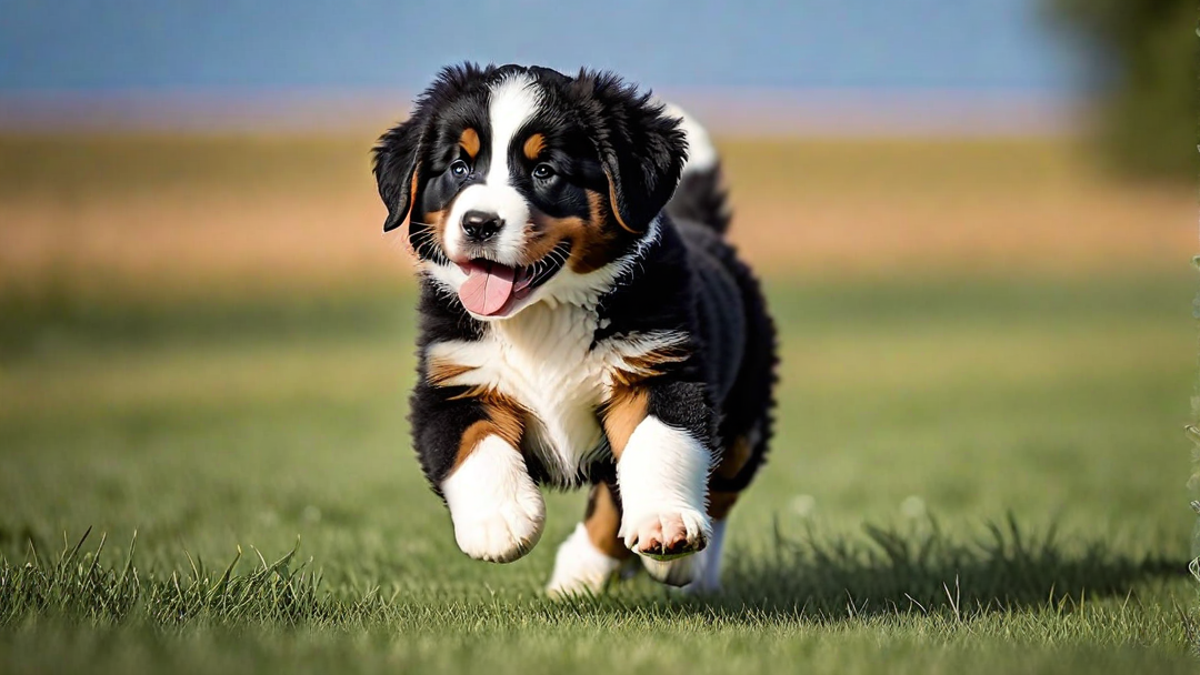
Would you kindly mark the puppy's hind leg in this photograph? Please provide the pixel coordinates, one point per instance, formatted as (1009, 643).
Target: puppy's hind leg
(593, 554)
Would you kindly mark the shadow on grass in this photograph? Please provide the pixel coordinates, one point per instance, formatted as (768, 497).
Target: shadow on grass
(918, 571)
(924, 570)
(813, 578)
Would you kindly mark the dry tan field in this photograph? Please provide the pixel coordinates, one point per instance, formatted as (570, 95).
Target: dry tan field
(147, 215)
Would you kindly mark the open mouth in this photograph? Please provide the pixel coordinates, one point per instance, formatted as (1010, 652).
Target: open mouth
(492, 289)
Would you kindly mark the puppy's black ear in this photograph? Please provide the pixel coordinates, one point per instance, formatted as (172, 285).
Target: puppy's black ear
(641, 148)
(396, 169)
(398, 152)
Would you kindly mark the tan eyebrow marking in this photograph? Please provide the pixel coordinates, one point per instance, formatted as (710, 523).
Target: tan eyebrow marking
(534, 146)
(469, 141)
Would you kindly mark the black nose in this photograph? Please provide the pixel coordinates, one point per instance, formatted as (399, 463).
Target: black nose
(481, 225)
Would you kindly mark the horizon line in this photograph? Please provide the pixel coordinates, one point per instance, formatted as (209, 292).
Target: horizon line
(724, 110)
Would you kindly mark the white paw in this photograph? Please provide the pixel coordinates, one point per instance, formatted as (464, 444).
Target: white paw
(668, 534)
(498, 511)
(580, 568)
(509, 532)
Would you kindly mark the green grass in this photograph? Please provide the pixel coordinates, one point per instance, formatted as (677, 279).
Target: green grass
(969, 476)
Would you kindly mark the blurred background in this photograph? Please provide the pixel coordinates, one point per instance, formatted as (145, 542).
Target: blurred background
(154, 147)
(974, 221)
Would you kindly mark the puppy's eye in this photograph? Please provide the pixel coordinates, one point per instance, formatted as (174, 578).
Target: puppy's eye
(459, 168)
(543, 171)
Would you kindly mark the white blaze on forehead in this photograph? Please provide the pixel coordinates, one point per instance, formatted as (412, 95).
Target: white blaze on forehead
(514, 100)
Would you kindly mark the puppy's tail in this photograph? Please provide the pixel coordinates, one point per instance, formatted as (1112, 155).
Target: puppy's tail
(700, 196)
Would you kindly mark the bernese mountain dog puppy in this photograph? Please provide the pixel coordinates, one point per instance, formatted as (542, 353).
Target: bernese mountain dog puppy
(582, 321)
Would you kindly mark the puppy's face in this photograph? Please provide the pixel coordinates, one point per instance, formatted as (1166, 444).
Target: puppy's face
(522, 184)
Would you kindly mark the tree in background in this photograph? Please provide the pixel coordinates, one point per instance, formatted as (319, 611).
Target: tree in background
(1147, 80)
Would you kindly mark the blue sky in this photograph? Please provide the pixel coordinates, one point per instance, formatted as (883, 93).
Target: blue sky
(989, 45)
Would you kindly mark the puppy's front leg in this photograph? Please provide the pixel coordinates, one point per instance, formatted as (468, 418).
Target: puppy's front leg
(659, 436)
(469, 450)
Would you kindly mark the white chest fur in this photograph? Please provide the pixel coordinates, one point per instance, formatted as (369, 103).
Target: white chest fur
(544, 360)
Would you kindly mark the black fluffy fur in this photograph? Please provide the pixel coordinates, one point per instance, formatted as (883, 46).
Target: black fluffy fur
(701, 198)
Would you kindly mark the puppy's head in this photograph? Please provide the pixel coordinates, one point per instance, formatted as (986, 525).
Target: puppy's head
(520, 183)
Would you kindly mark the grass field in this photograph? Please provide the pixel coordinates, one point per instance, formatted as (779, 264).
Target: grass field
(980, 465)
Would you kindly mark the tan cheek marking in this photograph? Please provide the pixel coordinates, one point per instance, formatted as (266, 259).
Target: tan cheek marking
(503, 420)
(437, 221)
(596, 208)
(623, 412)
(592, 240)
(546, 233)
(469, 142)
(434, 221)
(602, 520)
(594, 244)
(534, 146)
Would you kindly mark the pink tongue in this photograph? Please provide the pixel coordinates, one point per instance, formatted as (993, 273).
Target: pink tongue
(487, 289)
